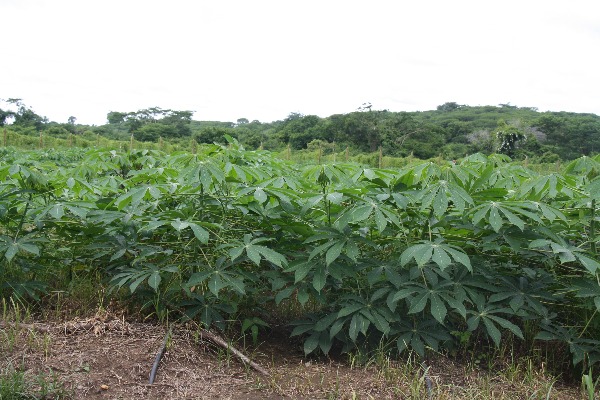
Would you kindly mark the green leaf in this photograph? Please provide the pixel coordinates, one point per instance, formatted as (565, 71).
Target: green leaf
(302, 270)
(440, 257)
(325, 342)
(334, 252)
(253, 254)
(336, 327)
(590, 264)
(235, 252)
(440, 203)
(438, 308)
(513, 219)
(494, 218)
(325, 322)
(380, 220)
(380, 322)
(154, 280)
(179, 225)
(480, 214)
(200, 233)
(29, 248)
(492, 331)
(403, 341)
(360, 213)
(302, 296)
(349, 310)
(11, 251)
(311, 343)
(418, 303)
(507, 324)
(235, 282)
(423, 255)
(57, 211)
(354, 328)
(460, 257)
(260, 195)
(197, 278)
(271, 255)
(335, 198)
(319, 278)
(417, 345)
(284, 294)
(215, 284)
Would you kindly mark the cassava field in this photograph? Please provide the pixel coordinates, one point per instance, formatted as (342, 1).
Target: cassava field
(474, 279)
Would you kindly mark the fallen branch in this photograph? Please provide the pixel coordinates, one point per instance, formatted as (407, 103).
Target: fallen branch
(33, 327)
(216, 339)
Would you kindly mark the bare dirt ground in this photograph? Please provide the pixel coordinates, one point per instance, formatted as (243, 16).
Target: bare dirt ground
(105, 357)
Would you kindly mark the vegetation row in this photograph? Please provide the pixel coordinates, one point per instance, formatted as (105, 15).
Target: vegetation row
(427, 257)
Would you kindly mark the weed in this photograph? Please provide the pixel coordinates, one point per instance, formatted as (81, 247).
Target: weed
(16, 384)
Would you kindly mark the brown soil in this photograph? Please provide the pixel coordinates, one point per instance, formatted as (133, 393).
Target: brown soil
(109, 358)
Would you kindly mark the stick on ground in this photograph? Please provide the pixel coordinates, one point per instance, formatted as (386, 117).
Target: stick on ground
(216, 339)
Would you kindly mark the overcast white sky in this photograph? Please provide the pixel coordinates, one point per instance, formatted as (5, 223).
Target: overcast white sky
(262, 59)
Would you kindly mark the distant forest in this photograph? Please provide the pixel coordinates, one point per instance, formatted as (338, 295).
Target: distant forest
(451, 131)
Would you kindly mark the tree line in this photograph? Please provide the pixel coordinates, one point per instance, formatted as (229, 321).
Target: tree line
(452, 130)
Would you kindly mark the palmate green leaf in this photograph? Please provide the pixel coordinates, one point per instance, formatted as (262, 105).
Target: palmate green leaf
(234, 282)
(421, 253)
(360, 213)
(565, 255)
(437, 252)
(513, 219)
